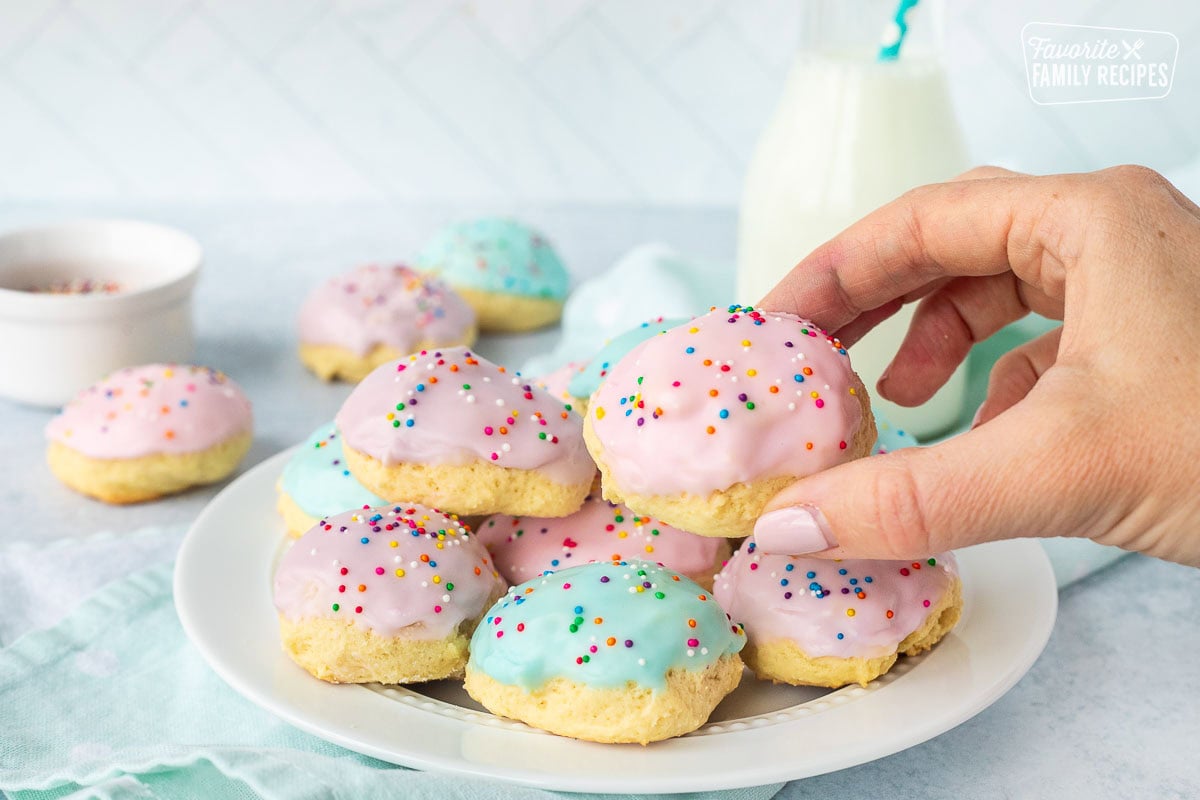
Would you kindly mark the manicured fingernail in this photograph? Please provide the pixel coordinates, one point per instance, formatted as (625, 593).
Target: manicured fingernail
(793, 531)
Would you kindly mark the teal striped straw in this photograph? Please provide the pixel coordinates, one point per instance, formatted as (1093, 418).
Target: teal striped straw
(894, 36)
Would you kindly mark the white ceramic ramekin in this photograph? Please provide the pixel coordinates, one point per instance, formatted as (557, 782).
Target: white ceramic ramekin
(53, 345)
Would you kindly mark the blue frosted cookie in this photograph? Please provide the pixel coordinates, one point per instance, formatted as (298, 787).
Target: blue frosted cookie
(586, 380)
(609, 652)
(317, 484)
(506, 271)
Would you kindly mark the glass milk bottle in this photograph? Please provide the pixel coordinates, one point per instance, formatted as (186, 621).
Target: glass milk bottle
(850, 133)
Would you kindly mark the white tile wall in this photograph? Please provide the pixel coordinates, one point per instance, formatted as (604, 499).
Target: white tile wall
(491, 101)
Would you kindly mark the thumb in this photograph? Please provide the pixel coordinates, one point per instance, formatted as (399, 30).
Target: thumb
(1001, 480)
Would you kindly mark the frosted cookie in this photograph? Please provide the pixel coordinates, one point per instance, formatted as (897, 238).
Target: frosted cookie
(701, 425)
(584, 383)
(819, 622)
(890, 437)
(608, 652)
(507, 271)
(555, 383)
(316, 483)
(149, 431)
(525, 547)
(453, 430)
(354, 322)
(390, 594)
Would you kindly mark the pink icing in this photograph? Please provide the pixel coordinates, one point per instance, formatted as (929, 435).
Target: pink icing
(733, 396)
(156, 408)
(387, 569)
(812, 601)
(556, 382)
(451, 406)
(525, 547)
(394, 306)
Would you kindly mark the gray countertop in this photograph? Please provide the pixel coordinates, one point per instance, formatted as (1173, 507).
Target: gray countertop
(1112, 708)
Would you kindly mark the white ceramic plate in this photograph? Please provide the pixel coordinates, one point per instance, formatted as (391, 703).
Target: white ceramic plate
(760, 734)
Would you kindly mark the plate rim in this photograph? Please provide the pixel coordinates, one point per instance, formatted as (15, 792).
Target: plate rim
(1040, 592)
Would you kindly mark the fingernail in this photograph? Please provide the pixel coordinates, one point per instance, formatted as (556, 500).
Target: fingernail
(978, 414)
(793, 531)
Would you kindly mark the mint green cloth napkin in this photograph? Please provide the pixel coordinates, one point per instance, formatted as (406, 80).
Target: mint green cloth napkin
(113, 702)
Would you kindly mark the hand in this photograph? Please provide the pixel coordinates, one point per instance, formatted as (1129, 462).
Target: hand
(1092, 430)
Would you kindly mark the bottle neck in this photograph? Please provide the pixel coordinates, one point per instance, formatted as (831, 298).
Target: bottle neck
(856, 27)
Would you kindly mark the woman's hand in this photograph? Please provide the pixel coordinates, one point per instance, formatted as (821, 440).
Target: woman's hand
(1091, 430)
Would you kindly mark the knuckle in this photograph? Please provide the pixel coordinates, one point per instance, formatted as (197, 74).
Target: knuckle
(899, 252)
(1136, 175)
(985, 172)
(1124, 193)
(898, 515)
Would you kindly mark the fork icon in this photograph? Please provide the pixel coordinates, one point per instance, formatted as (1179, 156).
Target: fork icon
(1132, 50)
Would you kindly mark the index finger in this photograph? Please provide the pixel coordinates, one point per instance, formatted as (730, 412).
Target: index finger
(964, 228)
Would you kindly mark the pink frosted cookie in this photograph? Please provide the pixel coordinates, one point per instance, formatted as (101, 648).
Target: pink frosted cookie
(820, 622)
(354, 322)
(453, 430)
(525, 547)
(389, 594)
(702, 424)
(145, 432)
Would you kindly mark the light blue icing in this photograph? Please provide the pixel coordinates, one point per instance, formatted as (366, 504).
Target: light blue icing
(890, 437)
(588, 380)
(496, 255)
(547, 628)
(317, 479)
